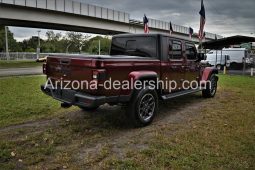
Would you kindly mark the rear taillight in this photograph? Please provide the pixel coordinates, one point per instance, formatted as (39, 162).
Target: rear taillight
(44, 68)
(99, 74)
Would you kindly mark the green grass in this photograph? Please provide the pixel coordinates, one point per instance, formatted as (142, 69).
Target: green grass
(221, 136)
(224, 138)
(19, 64)
(22, 100)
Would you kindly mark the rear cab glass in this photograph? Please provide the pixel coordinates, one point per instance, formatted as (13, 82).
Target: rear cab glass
(190, 51)
(142, 46)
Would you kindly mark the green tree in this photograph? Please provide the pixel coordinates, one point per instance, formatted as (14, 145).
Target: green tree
(105, 43)
(2, 39)
(31, 44)
(77, 42)
(52, 45)
(14, 46)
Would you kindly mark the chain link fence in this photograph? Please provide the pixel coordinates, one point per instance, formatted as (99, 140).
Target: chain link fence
(26, 55)
(20, 56)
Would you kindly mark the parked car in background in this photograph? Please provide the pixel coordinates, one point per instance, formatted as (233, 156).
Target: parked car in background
(222, 61)
(235, 57)
(42, 59)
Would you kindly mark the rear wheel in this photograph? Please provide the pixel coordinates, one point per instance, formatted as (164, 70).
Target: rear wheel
(143, 107)
(211, 87)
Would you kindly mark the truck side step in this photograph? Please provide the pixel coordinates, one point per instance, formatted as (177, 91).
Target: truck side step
(178, 94)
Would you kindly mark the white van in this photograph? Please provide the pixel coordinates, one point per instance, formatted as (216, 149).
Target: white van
(234, 56)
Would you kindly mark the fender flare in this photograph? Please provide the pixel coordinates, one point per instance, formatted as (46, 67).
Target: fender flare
(140, 75)
(207, 72)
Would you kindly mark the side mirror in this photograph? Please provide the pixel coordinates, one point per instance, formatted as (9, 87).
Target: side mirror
(201, 56)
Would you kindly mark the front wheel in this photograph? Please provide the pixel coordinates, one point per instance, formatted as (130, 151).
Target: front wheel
(143, 107)
(211, 87)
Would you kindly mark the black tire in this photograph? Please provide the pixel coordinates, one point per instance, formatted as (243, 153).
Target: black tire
(143, 107)
(211, 88)
(90, 109)
(219, 67)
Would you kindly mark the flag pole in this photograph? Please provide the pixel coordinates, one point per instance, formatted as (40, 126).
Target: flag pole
(202, 24)
(201, 45)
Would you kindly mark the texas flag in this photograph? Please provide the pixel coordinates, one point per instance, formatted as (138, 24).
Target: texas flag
(145, 23)
(202, 21)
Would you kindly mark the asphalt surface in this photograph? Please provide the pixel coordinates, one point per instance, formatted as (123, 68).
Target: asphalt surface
(20, 71)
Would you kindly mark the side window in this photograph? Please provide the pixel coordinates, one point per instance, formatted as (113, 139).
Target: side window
(175, 50)
(190, 52)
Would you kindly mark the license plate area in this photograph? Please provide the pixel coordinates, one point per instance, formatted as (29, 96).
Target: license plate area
(65, 95)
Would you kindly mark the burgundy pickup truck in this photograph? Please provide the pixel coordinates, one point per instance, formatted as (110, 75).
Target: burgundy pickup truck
(140, 70)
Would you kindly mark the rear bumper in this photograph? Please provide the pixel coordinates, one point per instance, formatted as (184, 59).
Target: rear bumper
(73, 97)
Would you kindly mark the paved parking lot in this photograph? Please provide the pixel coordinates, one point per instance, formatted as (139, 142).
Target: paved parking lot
(20, 71)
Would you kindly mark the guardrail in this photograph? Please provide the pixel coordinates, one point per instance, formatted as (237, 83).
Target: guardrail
(158, 24)
(74, 7)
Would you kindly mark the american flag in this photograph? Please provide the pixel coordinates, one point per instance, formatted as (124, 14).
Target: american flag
(145, 22)
(202, 21)
(171, 28)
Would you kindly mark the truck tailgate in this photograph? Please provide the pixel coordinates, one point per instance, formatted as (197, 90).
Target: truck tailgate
(69, 68)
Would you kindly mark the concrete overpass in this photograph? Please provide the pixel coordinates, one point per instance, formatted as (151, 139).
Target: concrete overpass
(70, 15)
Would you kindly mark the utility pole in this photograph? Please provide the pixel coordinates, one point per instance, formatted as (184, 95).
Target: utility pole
(99, 47)
(6, 43)
(39, 44)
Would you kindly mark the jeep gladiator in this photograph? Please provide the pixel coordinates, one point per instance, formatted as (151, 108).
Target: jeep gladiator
(133, 58)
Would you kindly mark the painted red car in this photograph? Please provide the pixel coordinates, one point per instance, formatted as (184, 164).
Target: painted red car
(150, 59)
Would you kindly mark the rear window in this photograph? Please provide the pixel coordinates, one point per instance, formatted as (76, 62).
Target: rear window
(135, 46)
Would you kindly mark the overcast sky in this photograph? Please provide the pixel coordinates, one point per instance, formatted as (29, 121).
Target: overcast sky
(224, 17)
